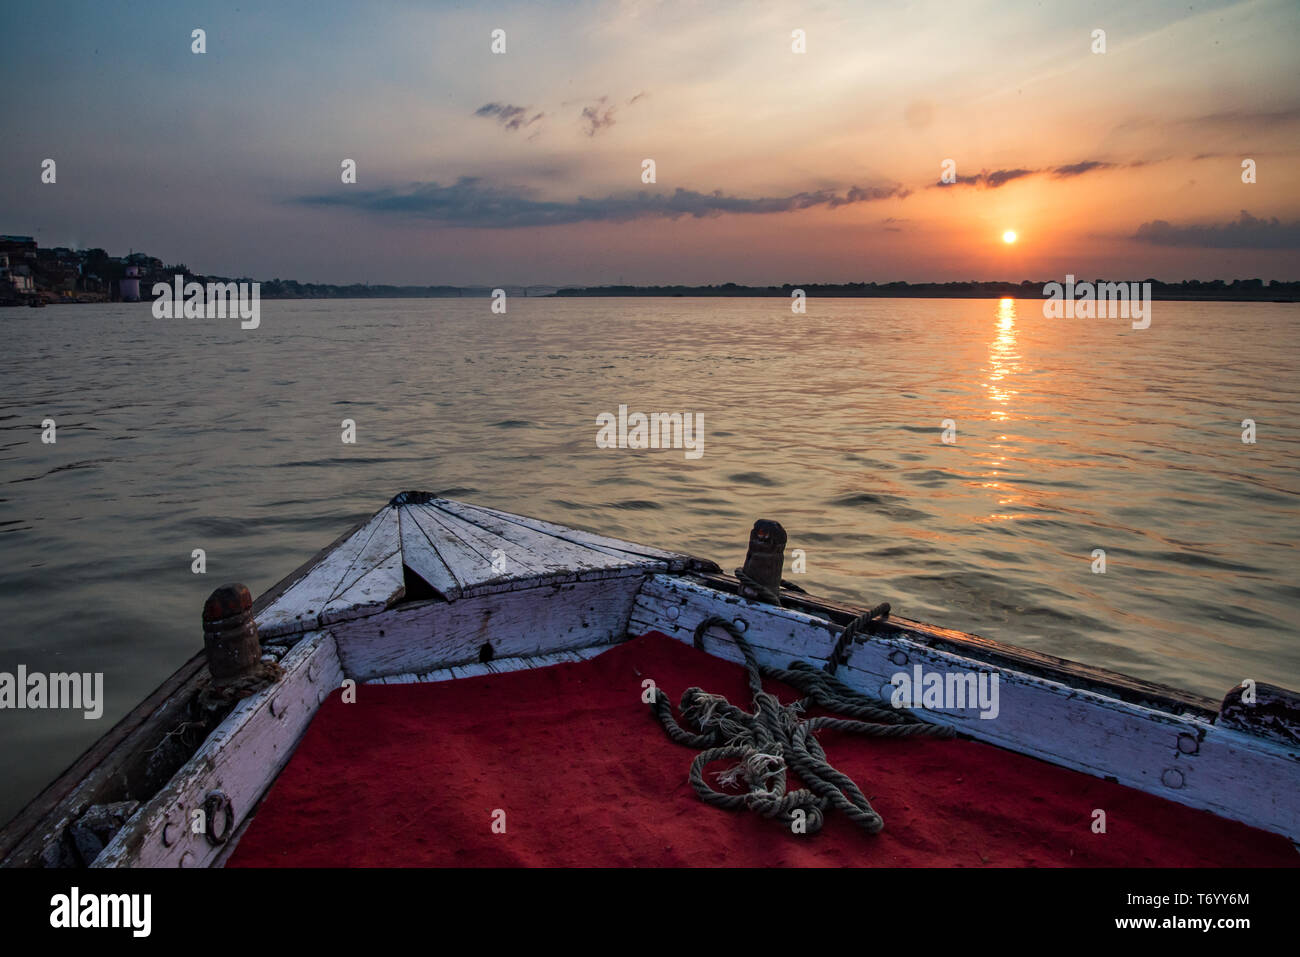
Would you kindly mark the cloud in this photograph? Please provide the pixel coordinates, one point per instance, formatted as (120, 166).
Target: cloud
(1246, 232)
(508, 115)
(595, 117)
(1253, 121)
(989, 180)
(986, 179)
(1078, 169)
(598, 116)
(1003, 176)
(471, 203)
(1256, 119)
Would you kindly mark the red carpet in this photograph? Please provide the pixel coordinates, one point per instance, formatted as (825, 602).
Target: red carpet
(410, 775)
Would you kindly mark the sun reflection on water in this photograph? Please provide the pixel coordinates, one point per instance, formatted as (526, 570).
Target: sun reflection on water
(1003, 358)
(1004, 364)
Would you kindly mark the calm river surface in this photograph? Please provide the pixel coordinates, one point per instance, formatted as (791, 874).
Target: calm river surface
(1071, 435)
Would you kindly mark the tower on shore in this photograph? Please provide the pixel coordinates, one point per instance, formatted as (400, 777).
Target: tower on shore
(130, 286)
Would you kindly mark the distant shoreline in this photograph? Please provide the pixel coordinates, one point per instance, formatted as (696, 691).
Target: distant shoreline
(30, 274)
(1238, 290)
(756, 294)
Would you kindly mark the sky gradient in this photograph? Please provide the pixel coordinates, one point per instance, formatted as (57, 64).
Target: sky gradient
(772, 166)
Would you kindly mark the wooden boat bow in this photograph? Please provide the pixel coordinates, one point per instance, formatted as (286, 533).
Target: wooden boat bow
(429, 588)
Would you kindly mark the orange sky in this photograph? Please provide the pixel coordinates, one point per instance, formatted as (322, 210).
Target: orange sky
(525, 167)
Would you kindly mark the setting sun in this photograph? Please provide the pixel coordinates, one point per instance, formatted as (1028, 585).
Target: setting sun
(1009, 236)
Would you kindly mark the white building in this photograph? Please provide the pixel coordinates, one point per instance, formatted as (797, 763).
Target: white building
(17, 278)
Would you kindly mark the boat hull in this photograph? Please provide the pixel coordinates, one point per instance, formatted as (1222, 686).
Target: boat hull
(429, 589)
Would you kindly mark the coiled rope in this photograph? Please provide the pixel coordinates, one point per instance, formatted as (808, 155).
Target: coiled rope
(776, 738)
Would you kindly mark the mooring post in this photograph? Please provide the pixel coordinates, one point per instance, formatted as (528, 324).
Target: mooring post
(230, 634)
(1259, 708)
(760, 578)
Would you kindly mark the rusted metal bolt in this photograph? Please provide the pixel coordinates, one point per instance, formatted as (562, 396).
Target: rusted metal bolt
(230, 634)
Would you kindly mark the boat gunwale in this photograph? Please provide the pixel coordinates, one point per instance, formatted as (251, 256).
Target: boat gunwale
(1189, 759)
(87, 780)
(1067, 671)
(59, 804)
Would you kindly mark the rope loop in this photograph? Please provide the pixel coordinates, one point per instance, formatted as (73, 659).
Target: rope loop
(851, 633)
(776, 738)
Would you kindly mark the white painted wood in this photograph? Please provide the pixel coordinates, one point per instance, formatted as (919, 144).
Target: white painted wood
(497, 666)
(224, 852)
(384, 542)
(466, 565)
(298, 607)
(378, 589)
(778, 635)
(544, 547)
(323, 589)
(241, 758)
(452, 547)
(422, 557)
(601, 543)
(427, 636)
(485, 547)
(460, 554)
(1184, 759)
(458, 571)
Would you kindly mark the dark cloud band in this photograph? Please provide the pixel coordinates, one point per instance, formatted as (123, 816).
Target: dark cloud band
(470, 202)
(508, 115)
(992, 179)
(1246, 232)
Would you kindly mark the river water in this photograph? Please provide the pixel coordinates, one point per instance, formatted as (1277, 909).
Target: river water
(1069, 435)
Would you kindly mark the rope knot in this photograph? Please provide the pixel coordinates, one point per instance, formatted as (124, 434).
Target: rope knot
(701, 708)
(756, 768)
(777, 738)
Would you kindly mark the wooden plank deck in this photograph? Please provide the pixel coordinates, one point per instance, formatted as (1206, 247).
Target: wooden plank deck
(495, 667)
(451, 550)
(320, 594)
